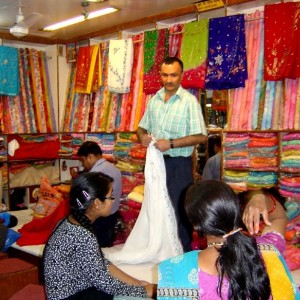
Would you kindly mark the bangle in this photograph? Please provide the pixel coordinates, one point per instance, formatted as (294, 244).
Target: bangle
(171, 143)
(274, 204)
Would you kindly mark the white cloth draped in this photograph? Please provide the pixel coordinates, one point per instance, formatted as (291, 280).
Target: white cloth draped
(154, 236)
(120, 60)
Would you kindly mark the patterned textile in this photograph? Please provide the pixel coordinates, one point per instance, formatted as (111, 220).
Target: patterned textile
(180, 277)
(155, 50)
(34, 104)
(87, 66)
(194, 53)
(282, 41)
(9, 72)
(120, 65)
(227, 61)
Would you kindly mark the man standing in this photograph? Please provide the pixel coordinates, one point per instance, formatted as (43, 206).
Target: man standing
(212, 168)
(90, 155)
(174, 118)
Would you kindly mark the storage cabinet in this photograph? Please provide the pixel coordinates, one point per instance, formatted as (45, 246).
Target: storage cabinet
(256, 159)
(26, 159)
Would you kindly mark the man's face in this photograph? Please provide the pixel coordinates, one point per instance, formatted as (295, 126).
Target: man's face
(171, 76)
(86, 161)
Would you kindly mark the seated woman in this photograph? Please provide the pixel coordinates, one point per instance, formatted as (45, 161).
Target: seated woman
(74, 265)
(234, 265)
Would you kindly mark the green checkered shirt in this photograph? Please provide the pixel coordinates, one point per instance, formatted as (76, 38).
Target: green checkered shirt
(180, 116)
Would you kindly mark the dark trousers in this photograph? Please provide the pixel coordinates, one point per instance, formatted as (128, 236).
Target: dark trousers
(105, 229)
(179, 172)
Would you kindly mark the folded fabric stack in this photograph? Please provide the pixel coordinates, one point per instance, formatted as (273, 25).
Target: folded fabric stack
(69, 144)
(290, 186)
(236, 159)
(290, 160)
(106, 142)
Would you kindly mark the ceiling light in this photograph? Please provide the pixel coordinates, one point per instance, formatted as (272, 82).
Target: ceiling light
(18, 31)
(91, 15)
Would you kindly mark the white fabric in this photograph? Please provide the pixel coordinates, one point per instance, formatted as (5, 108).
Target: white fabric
(154, 236)
(13, 145)
(120, 60)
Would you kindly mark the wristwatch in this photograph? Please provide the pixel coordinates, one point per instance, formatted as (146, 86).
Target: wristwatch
(171, 143)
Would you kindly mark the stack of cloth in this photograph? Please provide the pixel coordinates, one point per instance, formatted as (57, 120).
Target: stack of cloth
(106, 141)
(69, 144)
(290, 160)
(236, 160)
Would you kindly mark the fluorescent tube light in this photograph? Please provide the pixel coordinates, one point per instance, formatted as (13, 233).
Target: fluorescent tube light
(72, 21)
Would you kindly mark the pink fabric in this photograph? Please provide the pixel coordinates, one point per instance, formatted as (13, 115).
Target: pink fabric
(208, 282)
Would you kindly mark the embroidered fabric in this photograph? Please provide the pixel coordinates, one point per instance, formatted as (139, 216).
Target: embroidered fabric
(144, 244)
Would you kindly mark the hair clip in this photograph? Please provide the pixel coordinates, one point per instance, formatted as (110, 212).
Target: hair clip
(86, 195)
(80, 206)
(232, 232)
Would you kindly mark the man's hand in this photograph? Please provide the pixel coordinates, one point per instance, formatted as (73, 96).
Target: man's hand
(162, 145)
(146, 139)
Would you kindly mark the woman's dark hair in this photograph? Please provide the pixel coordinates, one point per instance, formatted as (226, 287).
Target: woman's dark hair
(213, 209)
(85, 189)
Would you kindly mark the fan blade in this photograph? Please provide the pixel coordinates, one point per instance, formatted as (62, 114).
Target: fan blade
(30, 20)
(46, 34)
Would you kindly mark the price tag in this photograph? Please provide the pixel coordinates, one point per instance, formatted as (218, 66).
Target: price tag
(208, 5)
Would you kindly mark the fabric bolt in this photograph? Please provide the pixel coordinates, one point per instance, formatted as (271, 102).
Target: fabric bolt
(193, 53)
(227, 61)
(155, 50)
(9, 71)
(120, 58)
(282, 41)
(156, 215)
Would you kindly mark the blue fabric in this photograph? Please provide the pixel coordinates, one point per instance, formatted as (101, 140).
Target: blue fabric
(180, 273)
(227, 60)
(12, 236)
(9, 71)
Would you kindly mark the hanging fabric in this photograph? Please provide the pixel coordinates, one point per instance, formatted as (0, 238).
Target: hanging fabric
(282, 41)
(9, 71)
(86, 66)
(227, 61)
(120, 58)
(194, 54)
(155, 50)
(175, 39)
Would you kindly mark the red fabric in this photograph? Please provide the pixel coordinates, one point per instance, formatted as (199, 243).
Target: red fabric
(38, 231)
(35, 150)
(30, 292)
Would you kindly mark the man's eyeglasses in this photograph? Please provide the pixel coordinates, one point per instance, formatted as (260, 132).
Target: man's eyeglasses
(109, 198)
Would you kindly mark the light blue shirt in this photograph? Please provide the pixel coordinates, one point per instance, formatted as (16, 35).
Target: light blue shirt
(178, 117)
(104, 166)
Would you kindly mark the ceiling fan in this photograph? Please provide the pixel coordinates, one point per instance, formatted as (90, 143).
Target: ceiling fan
(23, 24)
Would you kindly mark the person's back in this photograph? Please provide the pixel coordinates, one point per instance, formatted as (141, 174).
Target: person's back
(232, 266)
(212, 168)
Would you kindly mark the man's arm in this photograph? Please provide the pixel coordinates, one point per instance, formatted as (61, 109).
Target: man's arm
(191, 140)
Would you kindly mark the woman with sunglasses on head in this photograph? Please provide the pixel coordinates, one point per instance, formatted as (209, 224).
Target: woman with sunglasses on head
(235, 265)
(74, 265)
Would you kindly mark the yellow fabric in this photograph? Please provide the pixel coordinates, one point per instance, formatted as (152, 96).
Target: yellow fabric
(281, 286)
